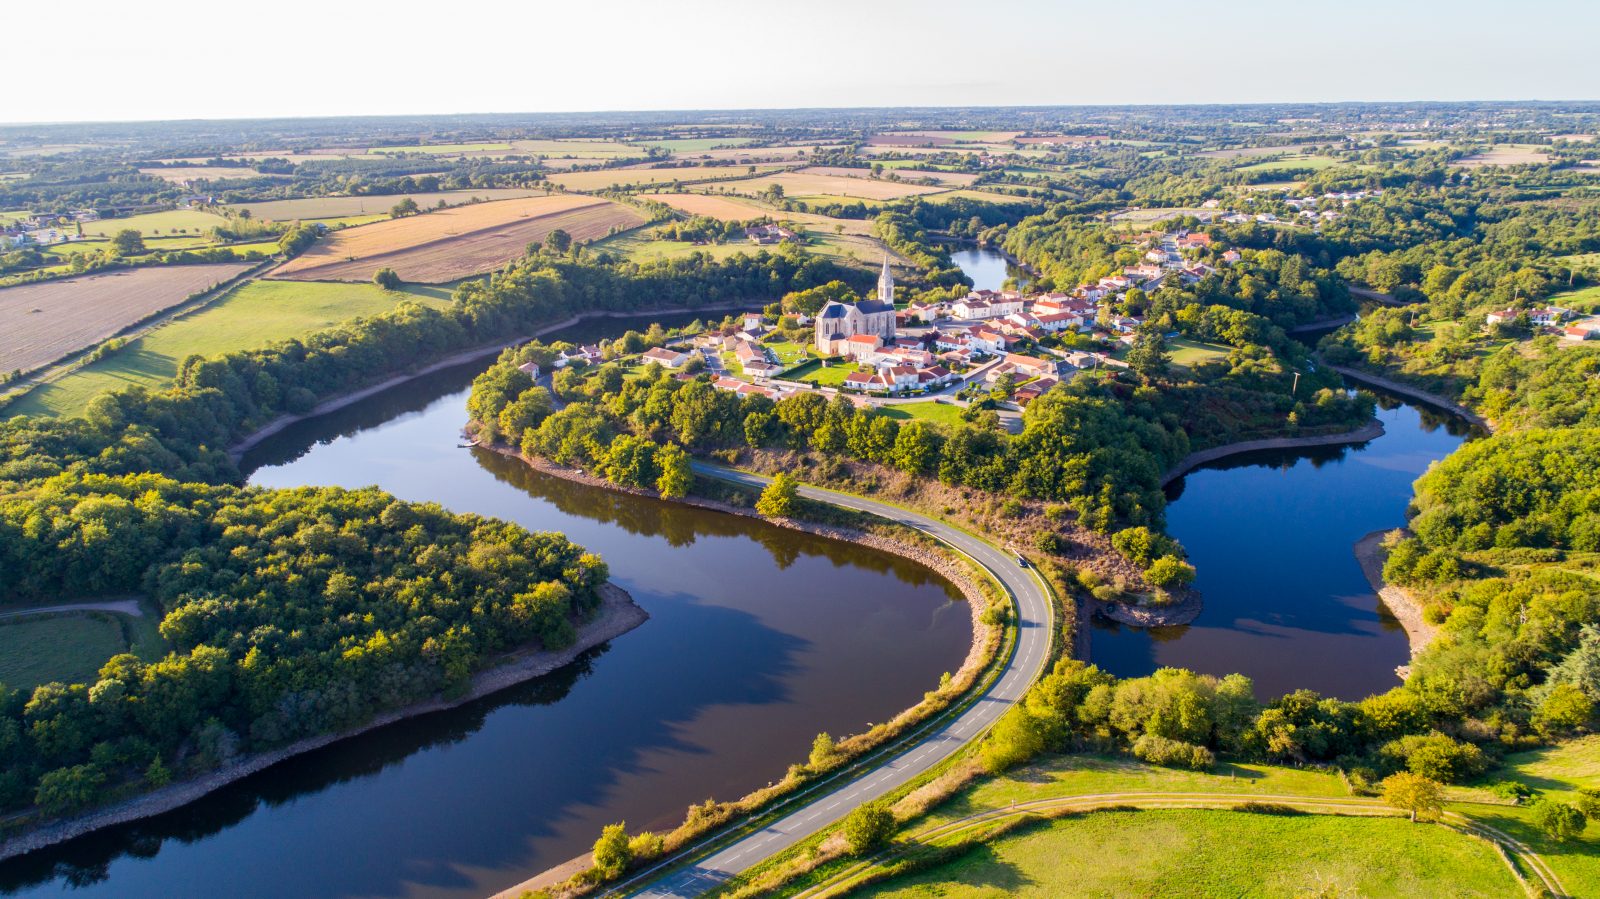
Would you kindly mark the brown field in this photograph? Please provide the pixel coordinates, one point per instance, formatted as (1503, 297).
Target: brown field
(1245, 152)
(40, 323)
(604, 178)
(729, 209)
(341, 207)
(759, 154)
(796, 184)
(210, 172)
(946, 179)
(455, 243)
(940, 138)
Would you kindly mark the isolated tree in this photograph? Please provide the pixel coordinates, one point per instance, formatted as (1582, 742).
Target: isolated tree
(1413, 793)
(868, 827)
(404, 208)
(822, 750)
(612, 851)
(386, 278)
(127, 242)
(558, 240)
(1557, 820)
(777, 501)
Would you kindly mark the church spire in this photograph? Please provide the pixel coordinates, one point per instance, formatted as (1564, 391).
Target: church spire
(886, 282)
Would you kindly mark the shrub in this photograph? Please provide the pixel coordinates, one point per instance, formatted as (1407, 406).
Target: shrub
(868, 827)
(1436, 756)
(1158, 750)
(1169, 571)
(613, 851)
(1514, 791)
(1558, 820)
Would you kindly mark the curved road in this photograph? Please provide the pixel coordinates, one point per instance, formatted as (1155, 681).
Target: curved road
(1026, 663)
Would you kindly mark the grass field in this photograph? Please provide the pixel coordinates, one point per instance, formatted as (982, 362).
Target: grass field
(1197, 853)
(696, 144)
(1585, 300)
(254, 314)
(603, 149)
(982, 196)
(442, 149)
(1189, 353)
(638, 247)
(604, 178)
(939, 413)
(1557, 772)
(800, 185)
(831, 375)
(315, 208)
(1316, 163)
(180, 174)
(458, 242)
(96, 245)
(1504, 154)
(173, 221)
(40, 323)
(66, 648)
(947, 179)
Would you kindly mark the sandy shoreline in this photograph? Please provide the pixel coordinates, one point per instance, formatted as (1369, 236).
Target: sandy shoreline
(616, 615)
(1405, 608)
(1369, 431)
(333, 404)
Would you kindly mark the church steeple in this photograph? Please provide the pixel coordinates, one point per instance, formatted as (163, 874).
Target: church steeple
(886, 283)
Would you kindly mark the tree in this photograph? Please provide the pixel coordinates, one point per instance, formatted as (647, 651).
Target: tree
(1413, 793)
(1169, 571)
(1558, 820)
(868, 827)
(387, 278)
(822, 750)
(404, 208)
(1149, 357)
(612, 852)
(558, 240)
(777, 501)
(127, 242)
(65, 789)
(676, 475)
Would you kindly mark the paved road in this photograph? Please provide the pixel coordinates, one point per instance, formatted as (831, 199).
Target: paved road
(1025, 665)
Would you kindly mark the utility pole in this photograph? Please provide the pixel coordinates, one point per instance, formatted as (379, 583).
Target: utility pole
(1296, 388)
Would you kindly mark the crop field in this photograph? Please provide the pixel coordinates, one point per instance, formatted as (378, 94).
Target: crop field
(1194, 853)
(696, 144)
(254, 314)
(946, 179)
(40, 323)
(1504, 154)
(981, 196)
(735, 209)
(441, 149)
(800, 185)
(1245, 152)
(1297, 161)
(763, 154)
(97, 245)
(606, 149)
(172, 221)
(454, 243)
(640, 247)
(604, 178)
(940, 138)
(315, 208)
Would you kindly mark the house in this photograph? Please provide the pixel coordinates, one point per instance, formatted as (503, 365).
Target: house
(755, 360)
(1031, 391)
(531, 369)
(1060, 321)
(583, 355)
(754, 321)
(860, 346)
(1194, 240)
(671, 358)
(1589, 330)
(984, 340)
(1029, 366)
(863, 381)
(769, 234)
(1114, 283)
(1230, 257)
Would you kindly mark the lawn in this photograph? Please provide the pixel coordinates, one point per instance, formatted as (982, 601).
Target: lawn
(1193, 853)
(828, 376)
(67, 647)
(173, 221)
(252, 315)
(1189, 353)
(1585, 300)
(939, 413)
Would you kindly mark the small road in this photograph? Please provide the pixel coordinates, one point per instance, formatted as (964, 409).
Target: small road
(951, 831)
(1025, 665)
(122, 606)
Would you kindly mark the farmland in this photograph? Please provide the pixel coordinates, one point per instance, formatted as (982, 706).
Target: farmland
(639, 247)
(798, 185)
(732, 209)
(1504, 154)
(1173, 852)
(454, 243)
(441, 149)
(313, 208)
(40, 323)
(945, 179)
(180, 174)
(251, 315)
(66, 648)
(604, 178)
(696, 144)
(1289, 163)
(175, 221)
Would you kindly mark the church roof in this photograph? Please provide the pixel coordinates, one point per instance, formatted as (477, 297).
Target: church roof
(870, 306)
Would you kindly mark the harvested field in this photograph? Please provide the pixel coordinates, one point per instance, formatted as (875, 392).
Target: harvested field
(604, 148)
(604, 178)
(180, 174)
(312, 208)
(40, 323)
(946, 179)
(761, 154)
(1504, 154)
(732, 209)
(454, 243)
(797, 184)
(172, 221)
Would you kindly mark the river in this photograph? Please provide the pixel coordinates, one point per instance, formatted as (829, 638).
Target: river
(759, 638)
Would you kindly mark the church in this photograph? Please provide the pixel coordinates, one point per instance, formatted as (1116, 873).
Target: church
(838, 322)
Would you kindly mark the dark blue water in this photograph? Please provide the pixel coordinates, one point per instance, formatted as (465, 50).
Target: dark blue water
(987, 268)
(1271, 535)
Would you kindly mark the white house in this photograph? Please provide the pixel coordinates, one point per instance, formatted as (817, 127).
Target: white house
(671, 358)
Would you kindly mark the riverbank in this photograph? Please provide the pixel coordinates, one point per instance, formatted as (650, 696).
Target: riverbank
(616, 615)
(1174, 614)
(1369, 431)
(1403, 606)
(335, 403)
(1416, 393)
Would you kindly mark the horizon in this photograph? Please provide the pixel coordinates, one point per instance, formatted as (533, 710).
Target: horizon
(312, 61)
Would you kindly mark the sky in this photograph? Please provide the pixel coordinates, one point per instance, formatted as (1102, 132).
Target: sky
(167, 59)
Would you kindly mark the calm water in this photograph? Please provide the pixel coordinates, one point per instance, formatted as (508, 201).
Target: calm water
(987, 268)
(758, 639)
(1271, 534)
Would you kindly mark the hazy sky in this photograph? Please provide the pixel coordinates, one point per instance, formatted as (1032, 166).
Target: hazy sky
(224, 58)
